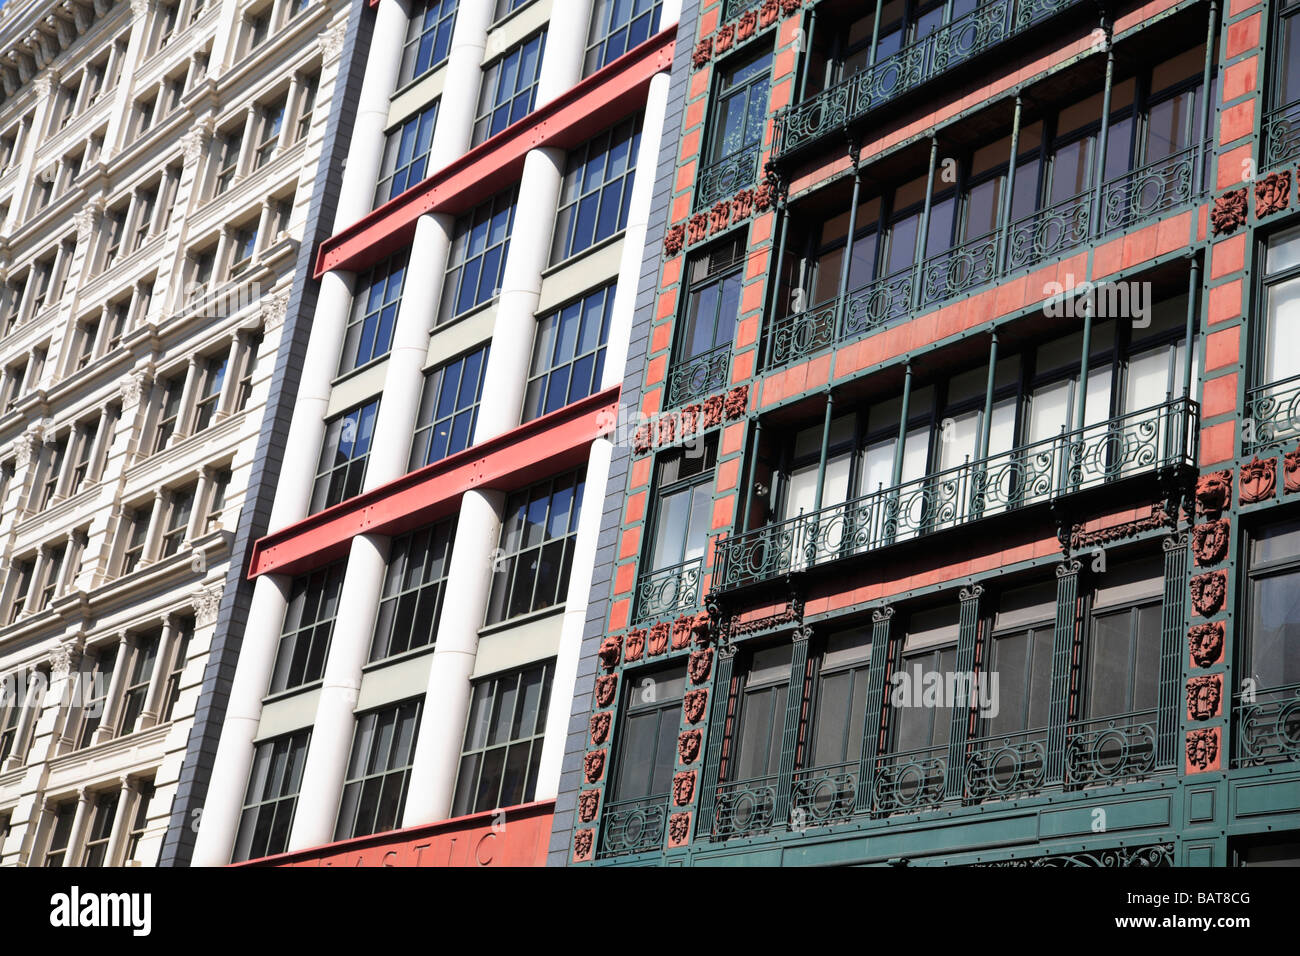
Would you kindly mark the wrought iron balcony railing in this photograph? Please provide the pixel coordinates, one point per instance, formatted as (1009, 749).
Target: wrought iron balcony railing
(669, 592)
(1281, 133)
(1006, 766)
(1147, 441)
(723, 179)
(699, 376)
(633, 826)
(909, 782)
(1268, 727)
(1122, 203)
(822, 796)
(745, 807)
(1111, 750)
(1273, 414)
(828, 112)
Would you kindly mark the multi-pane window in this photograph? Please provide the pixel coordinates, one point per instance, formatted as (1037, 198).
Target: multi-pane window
(379, 771)
(306, 105)
(272, 796)
(244, 387)
(308, 627)
(228, 148)
(597, 190)
(683, 504)
(140, 820)
(54, 455)
(346, 450)
(449, 408)
(714, 278)
(212, 374)
(137, 685)
(85, 345)
(52, 575)
(616, 27)
(406, 154)
(536, 547)
(180, 506)
(83, 452)
(103, 812)
(503, 740)
(11, 714)
(756, 744)
(509, 88)
(98, 676)
(270, 120)
(506, 7)
(1286, 54)
(1277, 348)
(135, 527)
(1271, 651)
(569, 353)
(20, 579)
(216, 500)
(840, 699)
(1020, 659)
(428, 38)
(477, 259)
(180, 653)
(61, 831)
(169, 410)
(243, 245)
(143, 213)
(1123, 646)
(647, 736)
(741, 112)
(930, 648)
(413, 590)
(369, 333)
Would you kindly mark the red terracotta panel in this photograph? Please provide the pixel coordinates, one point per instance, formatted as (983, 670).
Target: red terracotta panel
(1224, 302)
(1219, 395)
(1228, 255)
(1218, 443)
(1222, 348)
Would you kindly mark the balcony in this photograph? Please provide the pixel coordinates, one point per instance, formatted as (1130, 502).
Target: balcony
(827, 113)
(669, 592)
(698, 376)
(633, 826)
(1274, 412)
(1281, 135)
(1268, 727)
(1121, 203)
(1149, 441)
(723, 179)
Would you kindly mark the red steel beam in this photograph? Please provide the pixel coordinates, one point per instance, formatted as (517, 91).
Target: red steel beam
(513, 460)
(574, 116)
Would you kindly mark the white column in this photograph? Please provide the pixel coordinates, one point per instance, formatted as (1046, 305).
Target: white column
(331, 739)
(460, 89)
(575, 619)
(113, 696)
(76, 836)
(229, 778)
(127, 795)
(566, 46)
(446, 699)
(153, 701)
(31, 707)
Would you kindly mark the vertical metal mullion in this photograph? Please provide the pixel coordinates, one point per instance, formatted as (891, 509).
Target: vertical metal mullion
(1171, 643)
(959, 725)
(716, 730)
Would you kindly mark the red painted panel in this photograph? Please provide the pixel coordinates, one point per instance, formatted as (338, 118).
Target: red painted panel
(515, 836)
(572, 117)
(525, 454)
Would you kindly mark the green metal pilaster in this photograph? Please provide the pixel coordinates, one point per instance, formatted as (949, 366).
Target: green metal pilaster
(959, 730)
(717, 730)
(879, 667)
(1058, 715)
(790, 735)
(1172, 635)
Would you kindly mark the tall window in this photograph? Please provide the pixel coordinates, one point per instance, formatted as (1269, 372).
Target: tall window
(683, 504)
(646, 748)
(503, 740)
(428, 38)
(12, 702)
(1020, 657)
(616, 27)
(176, 525)
(1123, 647)
(135, 527)
(308, 627)
(137, 686)
(597, 191)
(369, 333)
(569, 354)
(406, 154)
(1271, 652)
(51, 575)
(383, 748)
(930, 648)
(180, 654)
(509, 88)
(840, 699)
(1286, 54)
(98, 675)
(212, 375)
(103, 813)
(714, 280)
(1277, 348)
(169, 410)
(477, 259)
(228, 149)
(272, 796)
(140, 821)
(756, 747)
(54, 456)
(60, 833)
(343, 458)
(741, 109)
(270, 120)
(449, 408)
(20, 582)
(413, 590)
(537, 541)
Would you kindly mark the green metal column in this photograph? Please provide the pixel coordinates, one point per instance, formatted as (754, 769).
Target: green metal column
(896, 475)
(1189, 333)
(842, 290)
(756, 438)
(875, 706)
(825, 451)
(1103, 136)
(1058, 714)
(1206, 105)
(765, 331)
(923, 233)
(959, 732)
(875, 34)
(1004, 214)
(1173, 631)
(790, 735)
(716, 730)
(806, 52)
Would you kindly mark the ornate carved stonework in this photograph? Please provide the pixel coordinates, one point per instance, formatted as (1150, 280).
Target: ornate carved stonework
(207, 602)
(583, 841)
(140, 8)
(724, 38)
(702, 53)
(1203, 696)
(1229, 212)
(690, 420)
(1205, 643)
(1158, 518)
(768, 12)
(605, 687)
(658, 638)
(675, 239)
(43, 85)
(599, 724)
(688, 746)
(593, 766)
(635, 645)
(719, 216)
(331, 41)
(274, 309)
(746, 25)
(682, 632)
(194, 142)
(701, 627)
(610, 649)
(711, 409)
(742, 204)
(131, 388)
(790, 614)
(1258, 480)
(1212, 490)
(1208, 592)
(1203, 749)
(679, 829)
(667, 426)
(62, 656)
(683, 787)
(588, 802)
(733, 406)
(85, 218)
(697, 228)
(22, 447)
(1272, 193)
(1210, 542)
(1291, 472)
(693, 705)
(700, 665)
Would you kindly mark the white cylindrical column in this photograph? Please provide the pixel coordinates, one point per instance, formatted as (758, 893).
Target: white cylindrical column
(446, 699)
(462, 78)
(566, 46)
(229, 778)
(575, 619)
(113, 695)
(77, 835)
(331, 739)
